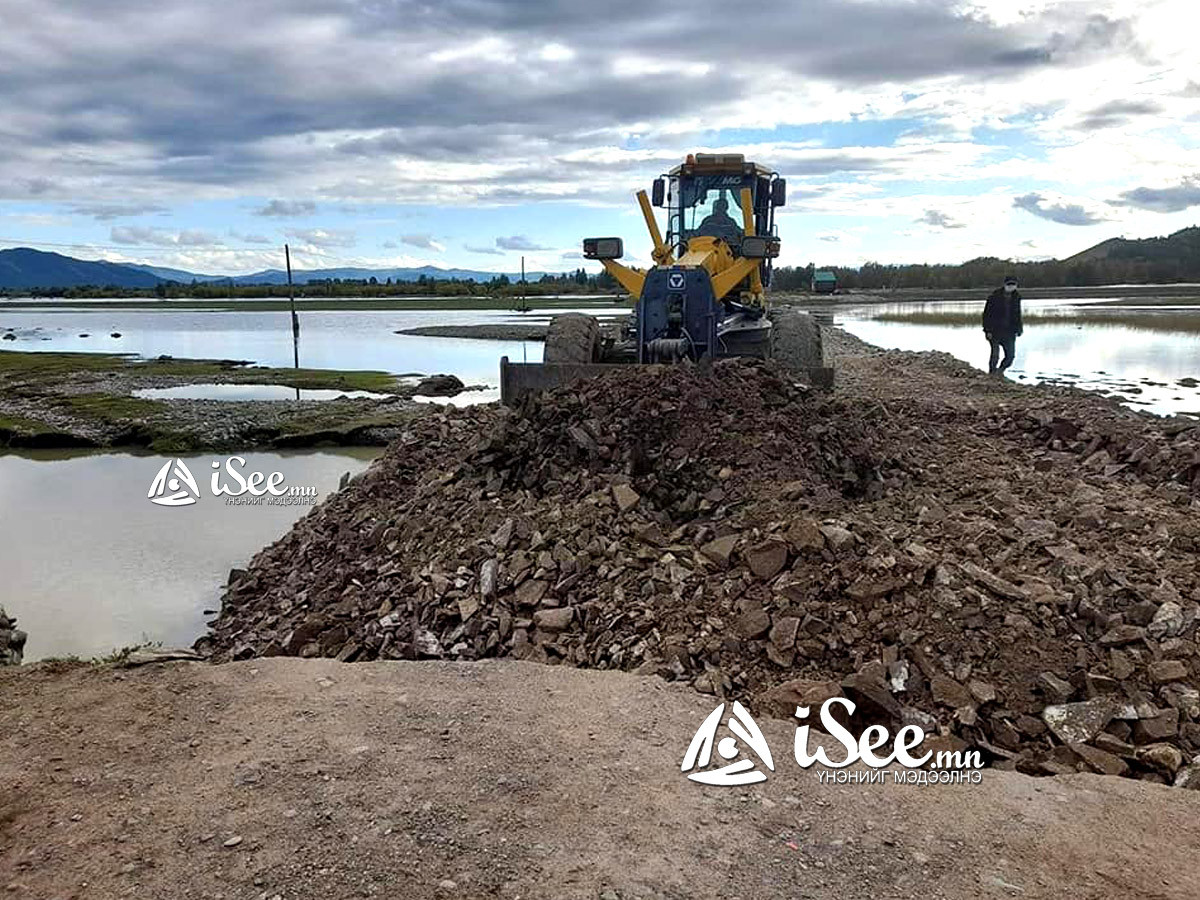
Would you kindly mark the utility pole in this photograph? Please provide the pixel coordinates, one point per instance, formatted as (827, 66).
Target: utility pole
(287, 255)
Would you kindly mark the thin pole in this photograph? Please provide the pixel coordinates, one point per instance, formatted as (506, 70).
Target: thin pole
(287, 255)
(523, 306)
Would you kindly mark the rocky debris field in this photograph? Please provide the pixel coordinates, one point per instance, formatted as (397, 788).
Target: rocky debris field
(1011, 568)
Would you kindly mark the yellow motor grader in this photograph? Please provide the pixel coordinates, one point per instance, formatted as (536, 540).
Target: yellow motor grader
(705, 295)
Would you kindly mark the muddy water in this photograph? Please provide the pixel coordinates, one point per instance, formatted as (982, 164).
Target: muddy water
(1147, 357)
(89, 564)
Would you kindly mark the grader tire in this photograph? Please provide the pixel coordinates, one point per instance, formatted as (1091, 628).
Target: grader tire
(796, 340)
(573, 338)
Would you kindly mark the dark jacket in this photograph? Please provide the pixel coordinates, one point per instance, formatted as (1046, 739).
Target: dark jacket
(1002, 314)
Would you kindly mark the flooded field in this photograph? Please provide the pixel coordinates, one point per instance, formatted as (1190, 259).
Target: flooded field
(1147, 355)
(329, 339)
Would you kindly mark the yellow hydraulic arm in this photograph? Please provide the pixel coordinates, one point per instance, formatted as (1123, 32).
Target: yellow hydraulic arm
(702, 251)
(661, 253)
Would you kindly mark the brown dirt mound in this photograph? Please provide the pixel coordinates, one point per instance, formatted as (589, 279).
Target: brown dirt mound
(729, 528)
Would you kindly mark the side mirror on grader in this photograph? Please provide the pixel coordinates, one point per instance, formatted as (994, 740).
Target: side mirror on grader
(603, 248)
(705, 294)
(760, 247)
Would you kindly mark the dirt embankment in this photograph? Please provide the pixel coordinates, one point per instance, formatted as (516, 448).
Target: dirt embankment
(1011, 568)
(296, 779)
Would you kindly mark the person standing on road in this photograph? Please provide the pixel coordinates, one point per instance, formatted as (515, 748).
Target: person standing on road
(1002, 325)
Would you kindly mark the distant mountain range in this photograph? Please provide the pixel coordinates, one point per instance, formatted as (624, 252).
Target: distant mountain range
(1154, 259)
(1182, 246)
(26, 269)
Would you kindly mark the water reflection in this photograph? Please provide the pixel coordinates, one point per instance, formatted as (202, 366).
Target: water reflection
(350, 339)
(235, 392)
(90, 564)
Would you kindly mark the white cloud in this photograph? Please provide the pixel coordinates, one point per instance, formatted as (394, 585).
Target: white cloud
(1059, 209)
(161, 237)
(518, 242)
(424, 241)
(323, 237)
(287, 208)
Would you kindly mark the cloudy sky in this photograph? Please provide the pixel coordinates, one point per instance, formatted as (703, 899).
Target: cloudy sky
(471, 132)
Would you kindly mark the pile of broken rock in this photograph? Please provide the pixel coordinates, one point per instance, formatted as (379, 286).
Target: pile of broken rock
(734, 530)
(12, 640)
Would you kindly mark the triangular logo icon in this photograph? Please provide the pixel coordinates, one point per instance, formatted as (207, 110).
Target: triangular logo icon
(173, 485)
(743, 771)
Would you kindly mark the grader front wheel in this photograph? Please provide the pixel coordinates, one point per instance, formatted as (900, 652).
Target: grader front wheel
(796, 340)
(573, 338)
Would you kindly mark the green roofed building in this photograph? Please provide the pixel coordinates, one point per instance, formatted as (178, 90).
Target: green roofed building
(824, 282)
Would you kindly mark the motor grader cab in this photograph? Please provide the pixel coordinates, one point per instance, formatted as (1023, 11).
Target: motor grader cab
(705, 294)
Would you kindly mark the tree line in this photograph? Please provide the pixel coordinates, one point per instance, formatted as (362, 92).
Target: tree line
(576, 282)
(1165, 260)
(1162, 260)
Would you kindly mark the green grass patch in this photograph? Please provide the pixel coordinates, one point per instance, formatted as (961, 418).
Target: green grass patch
(19, 425)
(51, 369)
(111, 408)
(18, 364)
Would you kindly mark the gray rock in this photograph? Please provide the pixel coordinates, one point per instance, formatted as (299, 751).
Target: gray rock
(1122, 635)
(626, 497)
(805, 535)
(1167, 622)
(753, 623)
(783, 632)
(1188, 777)
(487, 578)
(767, 559)
(1168, 670)
(1100, 760)
(1078, 723)
(719, 550)
(1163, 757)
(559, 619)
(837, 537)
(949, 692)
(981, 691)
(1056, 689)
(993, 583)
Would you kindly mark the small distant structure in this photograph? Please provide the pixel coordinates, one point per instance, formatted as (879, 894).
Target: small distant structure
(824, 282)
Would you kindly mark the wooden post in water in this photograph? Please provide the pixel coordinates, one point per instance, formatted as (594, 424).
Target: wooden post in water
(287, 255)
